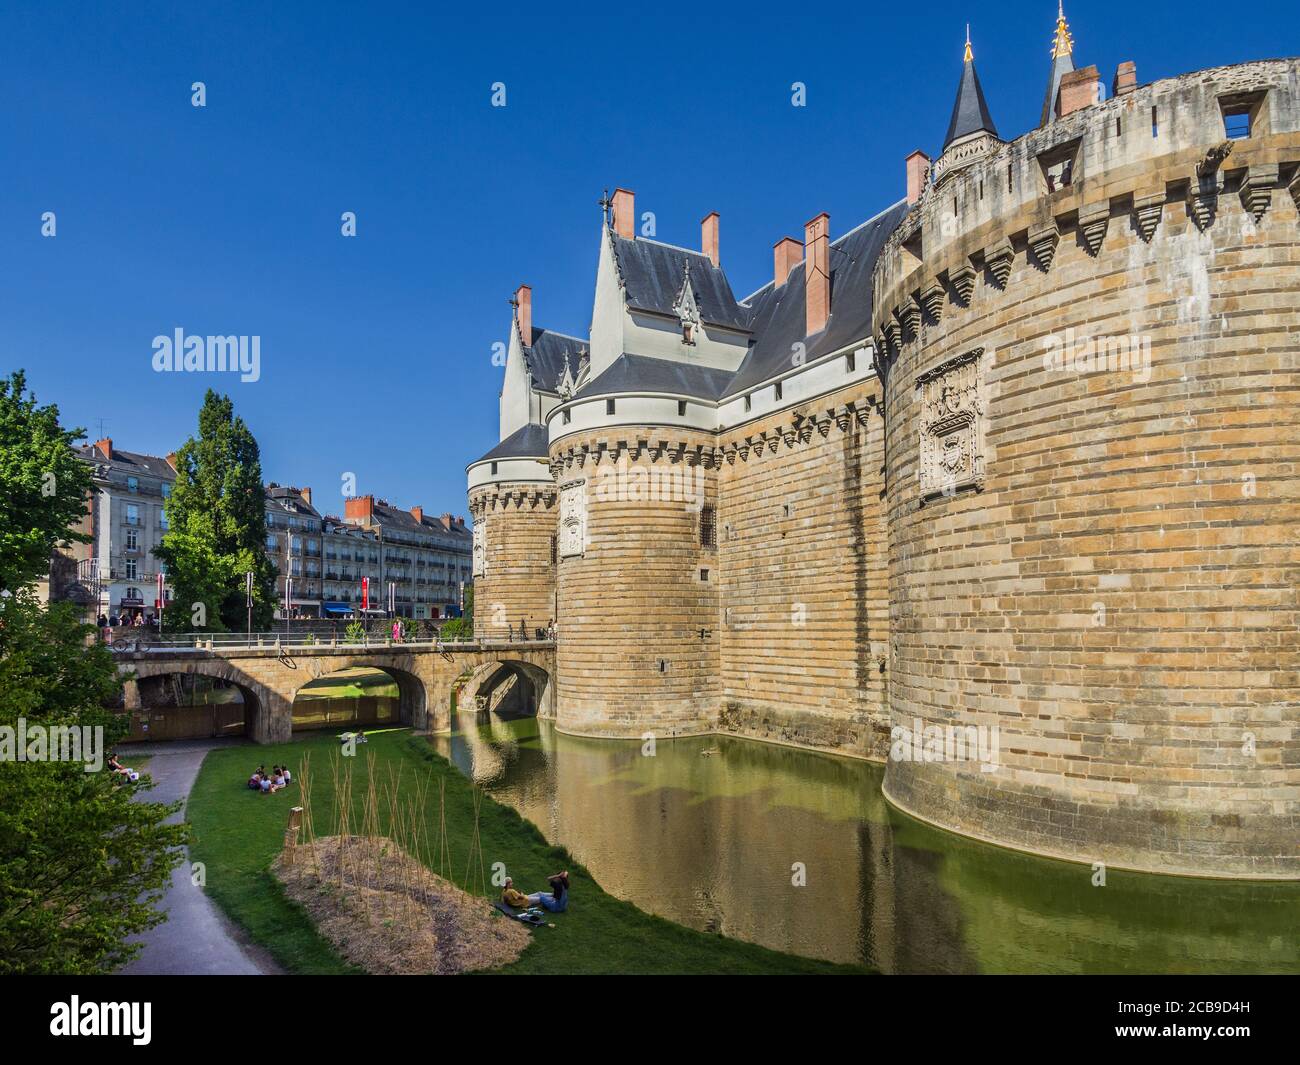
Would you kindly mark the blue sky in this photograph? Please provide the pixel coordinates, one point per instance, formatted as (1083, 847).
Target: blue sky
(377, 350)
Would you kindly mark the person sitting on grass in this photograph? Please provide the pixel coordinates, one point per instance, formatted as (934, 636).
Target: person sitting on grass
(255, 782)
(266, 785)
(512, 896)
(277, 781)
(284, 772)
(557, 899)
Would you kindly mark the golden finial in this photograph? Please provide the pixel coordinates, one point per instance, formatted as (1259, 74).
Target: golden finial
(1063, 44)
(969, 55)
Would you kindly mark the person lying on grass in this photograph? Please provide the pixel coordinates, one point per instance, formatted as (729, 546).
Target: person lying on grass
(557, 899)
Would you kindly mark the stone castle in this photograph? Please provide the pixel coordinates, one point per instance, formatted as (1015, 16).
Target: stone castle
(1014, 460)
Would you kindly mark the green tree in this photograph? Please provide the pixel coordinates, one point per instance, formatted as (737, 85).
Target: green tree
(216, 517)
(43, 484)
(81, 859)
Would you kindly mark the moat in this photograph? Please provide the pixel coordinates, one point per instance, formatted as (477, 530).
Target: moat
(707, 831)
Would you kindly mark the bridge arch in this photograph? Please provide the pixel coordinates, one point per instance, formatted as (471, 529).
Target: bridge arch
(260, 702)
(412, 690)
(509, 686)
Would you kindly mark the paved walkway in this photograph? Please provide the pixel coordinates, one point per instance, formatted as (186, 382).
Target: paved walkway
(196, 938)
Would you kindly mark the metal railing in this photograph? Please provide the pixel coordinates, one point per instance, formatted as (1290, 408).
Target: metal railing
(273, 641)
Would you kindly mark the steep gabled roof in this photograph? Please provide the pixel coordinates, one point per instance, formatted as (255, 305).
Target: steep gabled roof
(546, 354)
(778, 320)
(653, 273)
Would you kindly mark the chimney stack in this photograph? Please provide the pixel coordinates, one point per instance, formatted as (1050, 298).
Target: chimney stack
(306, 495)
(625, 213)
(1126, 79)
(817, 273)
(709, 237)
(787, 253)
(1079, 89)
(360, 508)
(524, 314)
(918, 165)
(171, 460)
(446, 521)
(418, 514)
(105, 447)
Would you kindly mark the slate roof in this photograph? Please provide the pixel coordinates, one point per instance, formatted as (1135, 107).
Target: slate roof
(530, 442)
(130, 462)
(652, 276)
(291, 499)
(778, 318)
(545, 357)
(394, 517)
(970, 111)
(1062, 64)
(640, 373)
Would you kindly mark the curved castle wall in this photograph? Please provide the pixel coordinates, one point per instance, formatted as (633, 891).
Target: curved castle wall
(514, 578)
(637, 642)
(1097, 555)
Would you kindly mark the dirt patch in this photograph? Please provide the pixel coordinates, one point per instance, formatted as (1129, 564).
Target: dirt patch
(387, 913)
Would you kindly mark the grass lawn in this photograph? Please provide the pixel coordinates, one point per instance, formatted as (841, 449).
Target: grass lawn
(237, 833)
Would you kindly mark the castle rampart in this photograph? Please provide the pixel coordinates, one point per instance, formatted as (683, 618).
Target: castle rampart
(1092, 393)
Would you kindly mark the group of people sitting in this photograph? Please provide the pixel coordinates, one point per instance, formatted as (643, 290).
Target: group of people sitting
(556, 900)
(265, 782)
(115, 764)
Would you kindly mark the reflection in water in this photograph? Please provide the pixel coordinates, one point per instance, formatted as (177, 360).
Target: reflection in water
(707, 831)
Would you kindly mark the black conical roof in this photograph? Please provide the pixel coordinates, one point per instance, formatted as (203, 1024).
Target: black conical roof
(970, 112)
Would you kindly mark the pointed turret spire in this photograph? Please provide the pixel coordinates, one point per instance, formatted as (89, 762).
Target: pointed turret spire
(970, 112)
(1062, 62)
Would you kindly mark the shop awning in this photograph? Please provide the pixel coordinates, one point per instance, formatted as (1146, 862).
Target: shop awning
(336, 608)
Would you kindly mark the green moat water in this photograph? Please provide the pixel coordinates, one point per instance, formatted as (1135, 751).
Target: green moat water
(706, 832)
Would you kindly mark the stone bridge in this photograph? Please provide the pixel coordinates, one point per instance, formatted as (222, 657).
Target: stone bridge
(427, 675)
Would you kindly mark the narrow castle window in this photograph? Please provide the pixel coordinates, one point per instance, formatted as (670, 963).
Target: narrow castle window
(663, 665)
(704, 574)
(776, 390)
(749, 403)
(681, 408)
(1155, 122)
(609, 406)
(850, 361)
(1236, 124)
(554, 542)
(567, 416)
(494, 467)
(708, 526)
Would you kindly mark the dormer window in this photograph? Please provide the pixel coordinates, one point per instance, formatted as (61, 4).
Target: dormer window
(687, 309)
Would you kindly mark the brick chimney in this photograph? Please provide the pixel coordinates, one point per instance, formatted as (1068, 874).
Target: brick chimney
(625, 213)
(1126, 79)
(817, 274)
(918, 163)
(524, 313)
(1079, 89)
(171, 460)
(709, 236)
(446, 521)
(787, 254)
(306, 495)
(460, 522)
(418, 514)
(105, 447)
(361, 508)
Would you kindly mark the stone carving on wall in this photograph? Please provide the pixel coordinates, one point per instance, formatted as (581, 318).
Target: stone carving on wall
(480, 550)
(573, 518)
(952, 425)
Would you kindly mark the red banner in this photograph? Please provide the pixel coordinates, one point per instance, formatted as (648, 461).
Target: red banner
(365, 593)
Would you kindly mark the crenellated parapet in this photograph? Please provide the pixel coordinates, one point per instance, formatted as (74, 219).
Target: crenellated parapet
(1115, 164)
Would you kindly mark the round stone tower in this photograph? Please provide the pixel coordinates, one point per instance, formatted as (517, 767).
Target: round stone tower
(1091, 338)
(637, 646)
(512, 499)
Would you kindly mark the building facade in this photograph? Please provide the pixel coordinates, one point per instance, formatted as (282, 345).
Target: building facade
(997, 487)
(426, 560)
(294, 538)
